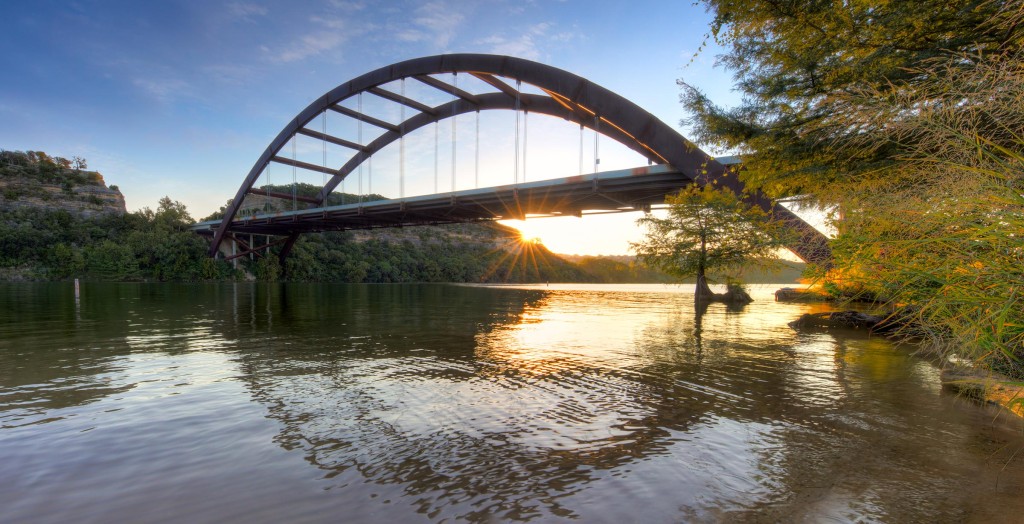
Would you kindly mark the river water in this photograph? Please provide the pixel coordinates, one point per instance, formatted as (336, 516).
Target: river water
(409, 403)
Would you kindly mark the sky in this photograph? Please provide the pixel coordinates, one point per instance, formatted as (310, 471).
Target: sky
(180, 97)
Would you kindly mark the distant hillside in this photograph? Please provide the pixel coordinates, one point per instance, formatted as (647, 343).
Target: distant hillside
(618, 269)
(789, 271)
(626, 269)
(35, 180)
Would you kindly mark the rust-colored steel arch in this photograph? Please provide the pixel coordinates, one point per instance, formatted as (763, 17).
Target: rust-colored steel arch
(568, 96)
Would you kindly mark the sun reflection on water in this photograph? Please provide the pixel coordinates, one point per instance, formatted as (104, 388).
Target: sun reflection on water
(471, 403)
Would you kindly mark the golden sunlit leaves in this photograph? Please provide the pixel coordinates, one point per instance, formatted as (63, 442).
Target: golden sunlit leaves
(943, 230)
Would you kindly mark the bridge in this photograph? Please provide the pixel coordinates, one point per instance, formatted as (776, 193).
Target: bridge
(636, 189)
(501, 84)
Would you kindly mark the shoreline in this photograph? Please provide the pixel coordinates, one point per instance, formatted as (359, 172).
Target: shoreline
(987, 387)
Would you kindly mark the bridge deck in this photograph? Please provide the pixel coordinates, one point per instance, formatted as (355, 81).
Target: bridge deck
(622, 190)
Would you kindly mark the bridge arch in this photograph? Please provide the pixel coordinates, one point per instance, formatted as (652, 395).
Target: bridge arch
(566, 96)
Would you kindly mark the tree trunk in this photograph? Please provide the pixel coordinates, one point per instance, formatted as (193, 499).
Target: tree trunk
(702, 293)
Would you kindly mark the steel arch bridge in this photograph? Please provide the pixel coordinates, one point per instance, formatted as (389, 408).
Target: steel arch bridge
(564, 95)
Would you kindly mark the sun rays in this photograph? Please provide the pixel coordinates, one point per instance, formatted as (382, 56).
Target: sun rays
(520, 257)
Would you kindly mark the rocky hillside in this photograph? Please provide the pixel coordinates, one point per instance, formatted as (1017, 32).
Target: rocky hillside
(35, 180)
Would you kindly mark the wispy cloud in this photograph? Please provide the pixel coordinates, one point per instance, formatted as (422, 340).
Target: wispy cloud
(330, 22)
(333, 34)
(410, 35)
(528, 43)
(348, 5)
(438, 22)
(310, 45)
(246, 11)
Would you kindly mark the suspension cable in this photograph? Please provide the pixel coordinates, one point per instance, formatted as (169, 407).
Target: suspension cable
(323, 139)
(515, 163)
(455, 101)
(359, 138)
(401, 147)
(597, 134)
(526, 119)
(295, 181)
(476, 170)
(437, 133)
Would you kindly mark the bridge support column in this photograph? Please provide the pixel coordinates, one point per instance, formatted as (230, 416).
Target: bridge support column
(285, 250)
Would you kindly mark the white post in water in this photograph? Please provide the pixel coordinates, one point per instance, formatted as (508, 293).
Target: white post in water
(77, 291)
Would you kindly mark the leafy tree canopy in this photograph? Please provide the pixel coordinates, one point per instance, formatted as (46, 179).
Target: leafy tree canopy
(706, 231)
(794, 60)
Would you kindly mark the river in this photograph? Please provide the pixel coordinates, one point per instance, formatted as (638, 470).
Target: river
(409, 403)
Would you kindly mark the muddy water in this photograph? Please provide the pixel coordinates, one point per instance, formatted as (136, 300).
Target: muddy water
(307, 403)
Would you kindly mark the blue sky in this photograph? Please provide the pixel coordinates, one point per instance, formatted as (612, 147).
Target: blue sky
(179, 98)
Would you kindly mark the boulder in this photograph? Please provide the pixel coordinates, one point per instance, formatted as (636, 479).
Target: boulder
(790, 294)
(837, 319)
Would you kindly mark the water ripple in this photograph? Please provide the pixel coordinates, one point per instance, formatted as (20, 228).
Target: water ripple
(444, 403)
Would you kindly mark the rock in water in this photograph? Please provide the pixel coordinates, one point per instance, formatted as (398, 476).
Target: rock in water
(836, 319)
(735, 295)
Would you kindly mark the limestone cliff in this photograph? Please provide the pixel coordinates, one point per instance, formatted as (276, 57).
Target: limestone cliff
(35, 180)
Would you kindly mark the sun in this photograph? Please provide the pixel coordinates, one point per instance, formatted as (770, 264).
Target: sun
(530, 231)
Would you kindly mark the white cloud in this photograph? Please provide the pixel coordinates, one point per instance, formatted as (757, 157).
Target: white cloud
(440, 22)
(246, 11)
(528, 44)
(410, 35)
(330, 23)
(522, 47)
(348, 6)
(310, 45)
(317, 42)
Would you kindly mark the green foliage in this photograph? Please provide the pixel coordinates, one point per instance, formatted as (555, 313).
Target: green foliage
(907, 117)
(708, 231)
(143, 245)
(37, 166)
(487, 253)
(268, 269)
(12, 193)
(610, 270)
(944, 229)
(794, 60)
(66, 261)
(111, 260)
